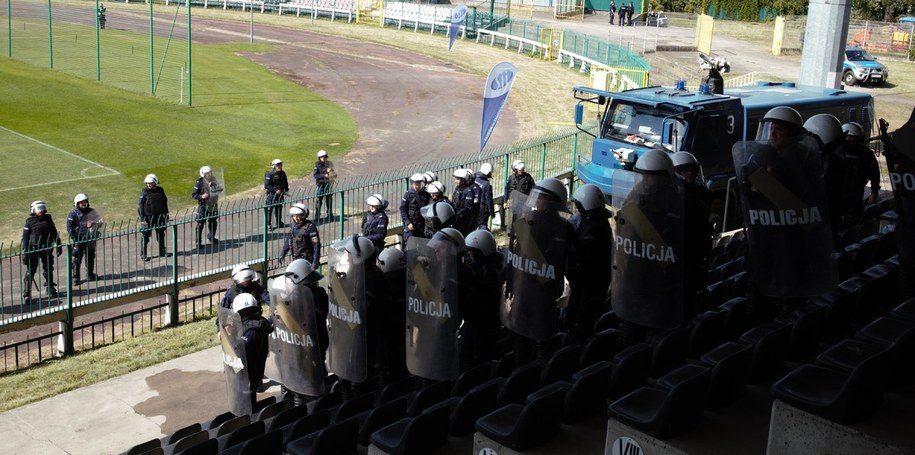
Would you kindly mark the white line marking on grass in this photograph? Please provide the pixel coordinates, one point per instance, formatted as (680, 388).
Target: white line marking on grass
(82, 173)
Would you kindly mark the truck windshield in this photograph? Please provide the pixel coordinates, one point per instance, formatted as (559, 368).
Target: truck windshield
(858, 55)
(640, 124)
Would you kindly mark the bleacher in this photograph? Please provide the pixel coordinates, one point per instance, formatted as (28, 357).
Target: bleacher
(824, 375)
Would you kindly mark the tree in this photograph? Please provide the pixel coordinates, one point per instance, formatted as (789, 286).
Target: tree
(882, 10)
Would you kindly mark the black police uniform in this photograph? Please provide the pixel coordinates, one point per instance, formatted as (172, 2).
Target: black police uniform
(375, 228)
(834, 174)
(83, 244)
(39, 236)
(276, 185)
(153, 210)
(304, 242)
(207, 211)
(479, 297)
(861, 167)
(254, 288)
(257, 329)
(410, 204)
(392, 320)
(592, 259)
(486, 206)
(323, 173)
(466, 201)
(899, 151)
(698, 245)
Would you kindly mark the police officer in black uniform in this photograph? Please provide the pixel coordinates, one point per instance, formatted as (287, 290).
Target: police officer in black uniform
(410, 205)
(827, 130)
(436, 192)
(276, 185)
(39, 236)
(391, 349)
(206, 192)
(244, 281)
(698, 243)
(303, 239)
(153, 211)
(479, 290)
(520, 181)
(899, 150)
(324, 175)
(591, 262)
(375, 223)
(256, 330)
(860, 168)
(483, 179)
(466, 201)
(82, 223)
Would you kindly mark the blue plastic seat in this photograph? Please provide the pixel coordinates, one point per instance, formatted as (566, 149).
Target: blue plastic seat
(419, 435)
(337, 439)
(525, 426)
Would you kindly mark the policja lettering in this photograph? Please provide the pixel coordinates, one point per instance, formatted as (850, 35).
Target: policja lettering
(531, 267)
(790, 217)
(429, 308)
(650, 251)
(292, 338)
(351, 316)
(233, 362)
(906, 179)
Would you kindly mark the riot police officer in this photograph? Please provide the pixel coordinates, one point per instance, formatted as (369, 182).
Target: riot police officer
(518, 182)
(256, 330)
(392, 318)
(591, 262)
(827, 130)
(436, 191)
(437, 215)
(466, 201)
(324, 175)
(303, 239)
(206, 191)
(698, 245)
(375, 223)
(860, 168)
(899, 150)
(244, 281)
(39, 237)
(649, 243)
(276, 185)
(153, 211)
(483, 178)
(83, 224)
(410, 205)
(538, 251)
(479, 295)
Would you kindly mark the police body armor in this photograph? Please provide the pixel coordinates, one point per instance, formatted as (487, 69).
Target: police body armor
(235, 364)
(648, 268)
(534, 266)
(295, 354)
(785, 212)
(347, 351)
(432, 319)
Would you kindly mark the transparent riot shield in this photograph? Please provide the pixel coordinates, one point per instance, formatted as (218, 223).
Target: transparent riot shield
(534, 266)
(784, 207)
(648, 266)
(295, 355)
(215, 187)
(235, 364)
(93, 223)
(432, 309)
(346, 355)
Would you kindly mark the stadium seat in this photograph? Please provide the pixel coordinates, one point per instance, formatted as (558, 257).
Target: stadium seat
(521, 427)
(736, 321)
(670, 350)
(840, 307)
(770, 343)
(337, 439)
(287, 417)
(730, 368)
(806, 322)
(901, 334)
(608, 320)
(479, 401)
(328, 400)
(262, 403)
(266, 444)
(351, 408)
(471, 378)
(720, 292)
(273, 409)
(397, 389)
(504, 366)
(630, 370)
(419, 435)
(230, 426)
(741, 281)
(669, 411)
(187, 442)
(520, 384)
(242, 434)
(144, 447)
(380, 417)
(181, 433)
(706, 332)
(306, 425)
(905, 311)
(207, 447)
(848, 236)
(429, 396)
(884, 284)
(837, 395)
(601, 346)
(561, 365)
(587, 394)
(218, 420)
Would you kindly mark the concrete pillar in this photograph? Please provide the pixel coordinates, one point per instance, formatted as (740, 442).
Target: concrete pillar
(824, 43)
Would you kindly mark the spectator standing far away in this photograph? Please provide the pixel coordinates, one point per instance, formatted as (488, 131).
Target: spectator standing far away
(324, 175)
(276, 185)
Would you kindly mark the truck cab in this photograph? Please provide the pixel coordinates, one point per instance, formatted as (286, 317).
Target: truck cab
(631, 122)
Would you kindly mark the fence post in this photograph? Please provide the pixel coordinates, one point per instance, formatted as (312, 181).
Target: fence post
(172, 298)
(574, 163)
(268, 210)
(65, 342)
(542, 161)
(340, 214)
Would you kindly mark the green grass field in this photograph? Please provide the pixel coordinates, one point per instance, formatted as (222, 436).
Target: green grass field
(50, 120)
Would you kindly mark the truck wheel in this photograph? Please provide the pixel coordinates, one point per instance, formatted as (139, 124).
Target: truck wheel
(880, 83)
(849, 78)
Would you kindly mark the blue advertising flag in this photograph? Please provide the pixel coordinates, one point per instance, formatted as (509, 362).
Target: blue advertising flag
(498, 84)
(457, 18)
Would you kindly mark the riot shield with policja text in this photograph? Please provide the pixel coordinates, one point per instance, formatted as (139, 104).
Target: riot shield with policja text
(784, 207)
(534, 266)
(235, 364)
(347, 351)
(295, 355)
(432, 309)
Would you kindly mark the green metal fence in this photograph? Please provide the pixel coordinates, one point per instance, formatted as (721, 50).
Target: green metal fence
(243, 238)
(131, 51)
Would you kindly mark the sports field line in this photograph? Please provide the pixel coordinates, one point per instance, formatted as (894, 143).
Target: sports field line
(59, 150)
